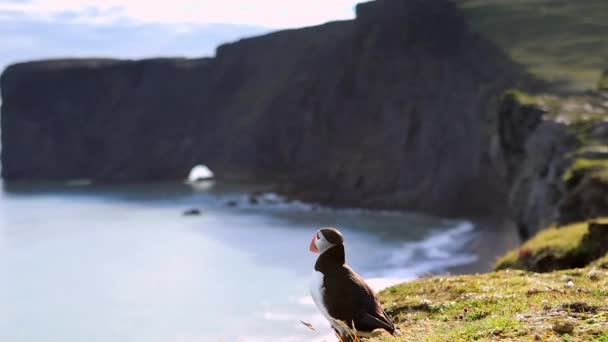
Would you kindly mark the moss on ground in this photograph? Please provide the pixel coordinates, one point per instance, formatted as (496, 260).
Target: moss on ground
(509, 305)
(595, 168)
(516, 95)
(580, 113)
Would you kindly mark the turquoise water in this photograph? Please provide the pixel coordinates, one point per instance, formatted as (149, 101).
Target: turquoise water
(121, 263)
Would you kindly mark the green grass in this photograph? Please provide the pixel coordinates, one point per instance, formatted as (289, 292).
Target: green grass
(505, 305)
(581, 112)
(520, 97)
(558, 40)
(597, 168)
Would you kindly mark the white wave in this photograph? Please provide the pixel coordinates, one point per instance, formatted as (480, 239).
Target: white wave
(306, 300)
(266, 201)
(277, 316)
(274, 201)
(436, 253)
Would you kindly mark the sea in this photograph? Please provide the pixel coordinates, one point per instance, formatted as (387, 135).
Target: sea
(86, 262)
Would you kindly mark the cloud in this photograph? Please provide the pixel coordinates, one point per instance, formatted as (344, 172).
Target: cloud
(269, 13)
(40, 29)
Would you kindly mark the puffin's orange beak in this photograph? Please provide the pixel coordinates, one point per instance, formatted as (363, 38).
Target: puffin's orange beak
(313, 248)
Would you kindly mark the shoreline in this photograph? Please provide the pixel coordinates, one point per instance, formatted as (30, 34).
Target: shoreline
(493, 239)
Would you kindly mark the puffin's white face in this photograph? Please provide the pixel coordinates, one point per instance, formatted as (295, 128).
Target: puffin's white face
(319, 243)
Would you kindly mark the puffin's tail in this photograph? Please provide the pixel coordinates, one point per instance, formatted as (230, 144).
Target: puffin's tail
(378, 323)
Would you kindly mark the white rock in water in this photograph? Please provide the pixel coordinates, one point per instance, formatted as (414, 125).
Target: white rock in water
(200, 173)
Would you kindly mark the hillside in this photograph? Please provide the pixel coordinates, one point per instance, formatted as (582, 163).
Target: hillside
(559, 40)
(567, 302)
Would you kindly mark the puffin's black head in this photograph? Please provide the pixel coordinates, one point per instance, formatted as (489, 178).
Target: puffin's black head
(324, 239)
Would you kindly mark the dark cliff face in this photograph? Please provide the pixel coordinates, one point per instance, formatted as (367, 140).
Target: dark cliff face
(533, 149)
(107, 120)
(395, 109)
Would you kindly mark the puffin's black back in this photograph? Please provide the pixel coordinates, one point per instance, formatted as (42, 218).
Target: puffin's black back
(346, 295)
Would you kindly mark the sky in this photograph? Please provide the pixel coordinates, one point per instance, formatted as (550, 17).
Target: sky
(267, 13)
(37, 29)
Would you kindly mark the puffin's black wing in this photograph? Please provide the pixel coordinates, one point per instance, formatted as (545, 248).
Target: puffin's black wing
(348, 298)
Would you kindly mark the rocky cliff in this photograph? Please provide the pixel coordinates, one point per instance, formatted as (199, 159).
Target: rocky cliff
(395, 109)
(556, 152)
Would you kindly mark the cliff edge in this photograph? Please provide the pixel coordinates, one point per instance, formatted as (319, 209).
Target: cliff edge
(556, 155)
(395, 109)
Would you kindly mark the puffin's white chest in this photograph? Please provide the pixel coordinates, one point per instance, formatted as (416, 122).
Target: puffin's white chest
(316, 291)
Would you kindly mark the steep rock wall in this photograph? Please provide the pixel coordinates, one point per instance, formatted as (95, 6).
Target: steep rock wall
(395, 109)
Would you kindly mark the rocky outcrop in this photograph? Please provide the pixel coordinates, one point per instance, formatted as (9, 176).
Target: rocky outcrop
(573, 246)
(533, 150)
(395, 109)
(556, 152)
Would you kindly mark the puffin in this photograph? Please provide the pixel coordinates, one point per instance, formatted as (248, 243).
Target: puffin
(340, 293)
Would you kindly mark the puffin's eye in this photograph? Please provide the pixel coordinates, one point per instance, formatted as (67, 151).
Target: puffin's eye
(318, 237)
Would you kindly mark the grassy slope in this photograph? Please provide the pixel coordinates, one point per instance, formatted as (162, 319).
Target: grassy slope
(555, 248)
(559, 40)
(507, 305)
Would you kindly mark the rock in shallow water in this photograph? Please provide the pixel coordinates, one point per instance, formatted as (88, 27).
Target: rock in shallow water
(192, 212)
